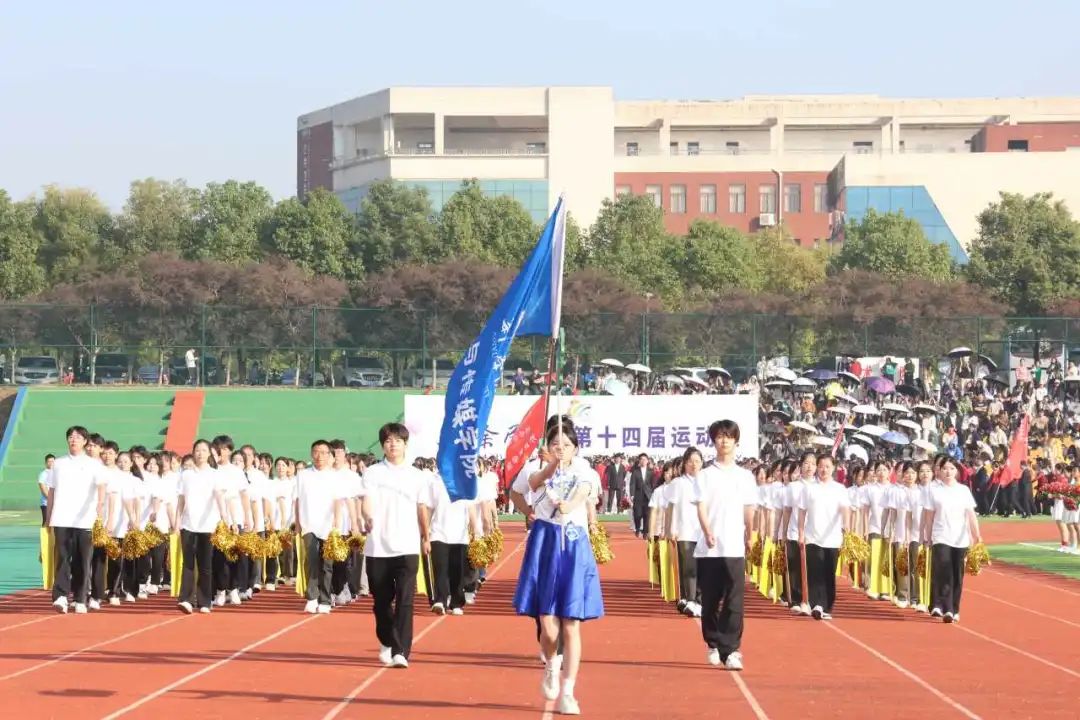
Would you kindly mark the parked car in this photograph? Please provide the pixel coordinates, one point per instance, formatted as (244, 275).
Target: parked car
(366, 372)
(178, 373)
(288, 377)
(37, 370)
(148, 374)
(111, 368)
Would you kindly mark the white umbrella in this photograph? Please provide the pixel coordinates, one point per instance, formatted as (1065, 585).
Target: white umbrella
(616, 387)
(896, 407)
(695, 381)
(638, 368)
(783, 374)
(849, 376)
(865, 410)
(838, 410)
(849, 399)
(959, 352)
(925, 445)
(1073, 379)
(777, 384)
(822, 441)
(873, 430)
(805, 426)
(718, 371)
(857, 452)
(685, 372)
(673, 379)
(864, 439)
(611, 362)
(910, 424)
(804, 383)
(923, 407)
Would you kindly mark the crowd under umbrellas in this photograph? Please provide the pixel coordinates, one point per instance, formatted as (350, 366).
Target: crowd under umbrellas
(615, 378)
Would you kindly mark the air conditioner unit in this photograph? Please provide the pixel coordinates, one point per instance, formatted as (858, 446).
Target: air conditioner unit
(767, 219)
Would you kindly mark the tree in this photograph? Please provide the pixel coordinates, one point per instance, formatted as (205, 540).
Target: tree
(496, 230)
(316, 234)
(75, 226)
(158, 217)
(577, 255)
(1027, 252)
(786, 267)
(20, 242)
(891, 244)
(715, 258)
(628, 240)
(394, 226)
(229, 222)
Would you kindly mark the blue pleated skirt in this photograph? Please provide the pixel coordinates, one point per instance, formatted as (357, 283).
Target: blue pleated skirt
(558, 574)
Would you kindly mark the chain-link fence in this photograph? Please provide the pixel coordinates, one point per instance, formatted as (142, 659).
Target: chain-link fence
(364, 347)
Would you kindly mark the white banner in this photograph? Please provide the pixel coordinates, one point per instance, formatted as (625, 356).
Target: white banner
(659, 425)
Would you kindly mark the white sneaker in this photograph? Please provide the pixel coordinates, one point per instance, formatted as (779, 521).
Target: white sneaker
(797, 609)
(344, 597)
(902, 604)
(936, 612)
(384, 655)
(248, 594)
(94, 604)
(204, 610)
(826, 616)
(713, 656)
(871, 595)
(114, 601)
(817, 612)
(920, 608)
(234, 597)
(804, 609)
(312, 606)
(734, 661)
(399, 661)
(948, 617)
(185, 607)
(568, 705)
(152, 589)
(128, 597)
(219, 599)
(143, 596)
(956, 617)
(470, 599)
(457, 611)
(324, 610)
(550, 684)
(271, 587)
(256, 587)
(80, 609)
(438, 609)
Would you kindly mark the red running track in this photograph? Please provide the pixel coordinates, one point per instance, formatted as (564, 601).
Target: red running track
(1016, 654)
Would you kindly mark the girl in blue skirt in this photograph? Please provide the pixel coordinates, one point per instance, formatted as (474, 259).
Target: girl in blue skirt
(559, 583)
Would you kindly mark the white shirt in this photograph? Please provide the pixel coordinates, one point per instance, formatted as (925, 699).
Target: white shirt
(120, 489)
(874, 497)
(257, 490)
(394, 492)
(793, 494)
(449, 520)
(777, 491)
(824, 503)
(74, 480)
(660, 500)
(318, 492)
(352, 485)
(189, 358)
(521, 482)
(197, 487)
(725, 491)
(562, 486)
(163, 488)
(950, 504)
(917, 502)
(684, 519)
(142, 491)
(231, 480)
(899, 501)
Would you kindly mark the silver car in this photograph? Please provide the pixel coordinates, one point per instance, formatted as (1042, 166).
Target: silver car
(36, 370)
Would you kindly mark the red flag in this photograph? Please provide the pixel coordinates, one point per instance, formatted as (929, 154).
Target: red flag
(1017, 452)
(525, 439)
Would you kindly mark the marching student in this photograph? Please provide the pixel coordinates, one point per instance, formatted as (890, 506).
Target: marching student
(789, 529)
(43, 486)
(950, 525)
(320, 504)
(874, 501)
(163, 496)
(396, 518)
(200, 506)
(898, 524)
(258, 500)
(284, 513)
(558, 582)
(450, 522)
(77, 490)
(122, 518)
(228, 574)
(726, 497)
(684, 530)
(919, 501)
(346, 585)
(824, 516)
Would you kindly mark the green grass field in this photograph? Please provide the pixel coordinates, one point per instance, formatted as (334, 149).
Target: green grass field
(1038, 556)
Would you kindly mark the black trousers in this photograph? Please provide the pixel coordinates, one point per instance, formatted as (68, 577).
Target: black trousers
(612, 496)
(74, 552)
(159, 563)
(198, 555)
(947, 577)
(355, 570)
(99, 568)
(44, 510)
(392, 581)
(821, 576)
(320, 573)
(641, 517)
(721, 582)
(288, 562)
(688, 581)
(117, 572)
(448, 563)
(794, 568)
(228, 574)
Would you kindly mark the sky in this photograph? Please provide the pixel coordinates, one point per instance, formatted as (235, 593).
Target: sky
(96, 95)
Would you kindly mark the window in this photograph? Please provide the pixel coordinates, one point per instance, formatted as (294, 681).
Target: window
(707, 195)
(821, 198)
(425, 148)
(767, 198)
(736, 198)
(732, 147)
(536, 148)
(621, 190)
(653, 191)
(674, 146)
(863, 147)
(631, 148)
(678, 199)
(1018, 146)
(693, 148)
(792, 198)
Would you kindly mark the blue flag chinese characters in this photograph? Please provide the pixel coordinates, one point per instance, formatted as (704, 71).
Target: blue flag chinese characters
(532, 306)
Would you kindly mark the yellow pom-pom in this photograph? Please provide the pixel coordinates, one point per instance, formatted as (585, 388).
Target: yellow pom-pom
(903, 564)
(286, 538)
(272, 545)
(335, 548)
(779, 559)
(977, 556)
(757, 552)
(251, 544)
(225, 541)
(921, 562)
(601, 546)
(854, 549)
(112, 549)
(479, 552)
(153, 536)
(98, 536)
(357, 542)
(134, 545)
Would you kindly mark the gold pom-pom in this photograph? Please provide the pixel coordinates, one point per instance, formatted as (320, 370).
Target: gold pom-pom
(854, 549)
(251, 544)
(286, 538)
(112, 549)
(224, 539)
(977, 556)
(98, 536)
(495, 539)
(921, 561)
(272, 545)
(134, 545)
(335, 548)
(757, 552)
(778, 566)
(903, 564)
(356, 542)
(601, 546)
(154, 536)
(479, 552)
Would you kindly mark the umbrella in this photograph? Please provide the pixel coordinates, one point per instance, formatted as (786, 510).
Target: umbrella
(772, 429)
(611, 362)
(800, 425)
(988, 362)
(820, 374)
(923, 407)
(855, 451)
(638, 368)
(959, 352)
(873, 430)
(909, 390)
(864, 439)
(682, 371)
(909, 424)
(880, 385)
(822, 441)
(673, 379)
(1073, 379)
(718, 371)
(616, 387)
(849, 399)
(896, 438)
(783, 374)
(997, 380)
(695, 381)
(865, 410)
(850, 429)
(896, 408)
(778, 414)
(805, 384)
(838, 410)
(777, 384)
(925, 445)
(850, 377)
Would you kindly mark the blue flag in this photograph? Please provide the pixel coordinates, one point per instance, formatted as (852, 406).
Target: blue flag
(532, 306)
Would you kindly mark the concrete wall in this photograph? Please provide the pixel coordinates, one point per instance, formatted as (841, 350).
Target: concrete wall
(581, 130)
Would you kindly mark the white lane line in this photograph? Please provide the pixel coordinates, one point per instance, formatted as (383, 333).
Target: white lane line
(1021, 607)
(29, 622)
(1017, 650)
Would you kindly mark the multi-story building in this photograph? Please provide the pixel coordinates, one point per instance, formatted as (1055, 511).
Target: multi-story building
(808, 162)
